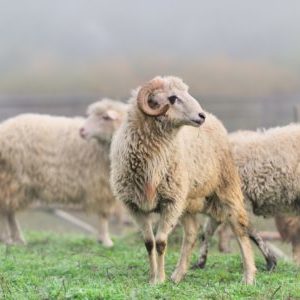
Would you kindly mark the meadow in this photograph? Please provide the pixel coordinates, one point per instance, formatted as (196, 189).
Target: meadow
(53, 266)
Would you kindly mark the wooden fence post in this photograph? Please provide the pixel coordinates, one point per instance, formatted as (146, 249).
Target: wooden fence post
(297, 113)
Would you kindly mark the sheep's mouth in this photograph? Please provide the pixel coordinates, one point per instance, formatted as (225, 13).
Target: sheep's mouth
(197, 123)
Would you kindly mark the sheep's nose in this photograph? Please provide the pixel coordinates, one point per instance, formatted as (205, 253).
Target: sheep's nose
(202, 116)
(201, 119)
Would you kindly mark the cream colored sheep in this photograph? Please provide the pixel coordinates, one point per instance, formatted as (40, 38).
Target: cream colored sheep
(161, 161)
(269, 167)
(43, 157)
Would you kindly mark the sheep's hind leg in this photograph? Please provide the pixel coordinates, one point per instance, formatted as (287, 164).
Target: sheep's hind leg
(190, 224)
(209, 229)
(224, 238)
(144, 223)
(296, 249)
(267, 253)
(104, 236)
(15, 230)
(231, 207)
(5, 236)
(239, 227)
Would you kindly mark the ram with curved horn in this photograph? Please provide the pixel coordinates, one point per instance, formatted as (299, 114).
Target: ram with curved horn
(176, 161)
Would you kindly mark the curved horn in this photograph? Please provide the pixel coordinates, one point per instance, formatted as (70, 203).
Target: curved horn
(144, 94)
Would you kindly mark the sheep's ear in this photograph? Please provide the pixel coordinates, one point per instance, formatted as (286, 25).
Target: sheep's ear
(113, 115)
(152, 102)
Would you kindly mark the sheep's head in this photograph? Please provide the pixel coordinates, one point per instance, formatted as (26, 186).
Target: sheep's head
(169, 97)
(103, 119)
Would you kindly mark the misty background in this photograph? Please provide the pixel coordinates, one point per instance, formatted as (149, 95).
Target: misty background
(241, 59)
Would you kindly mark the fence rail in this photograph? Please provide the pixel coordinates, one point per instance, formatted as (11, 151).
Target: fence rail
(297, 113)
(236, 113)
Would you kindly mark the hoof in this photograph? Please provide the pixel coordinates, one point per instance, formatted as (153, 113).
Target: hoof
(271, 263)
(157, 280)
(153, 281)
(176, 277)
(19, 242)
(11, 242)
(249, 281)
(225, 250)
(106, 243)
(161, 278)
(249, 278)
(200, 264)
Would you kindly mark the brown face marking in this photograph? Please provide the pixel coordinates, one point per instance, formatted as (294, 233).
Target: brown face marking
(160, 247)
(149, 246)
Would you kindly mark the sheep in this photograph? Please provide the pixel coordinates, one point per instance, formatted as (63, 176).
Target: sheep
(269, 167)
(162, 162)
(44, 158)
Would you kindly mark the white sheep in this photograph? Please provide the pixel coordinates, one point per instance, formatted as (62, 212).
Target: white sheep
(44, 158)
(159, 165)
(269, 167)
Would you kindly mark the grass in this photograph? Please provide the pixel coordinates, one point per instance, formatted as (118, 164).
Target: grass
(76, 267)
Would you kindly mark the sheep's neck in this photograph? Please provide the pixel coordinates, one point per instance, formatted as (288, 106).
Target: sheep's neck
(104, 148)
(154, 144)
(155, 135)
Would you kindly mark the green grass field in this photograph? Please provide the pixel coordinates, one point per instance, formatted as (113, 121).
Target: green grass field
(76, 267)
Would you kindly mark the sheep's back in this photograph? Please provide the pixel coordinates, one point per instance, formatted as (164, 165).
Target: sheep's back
(50, 160)
(269, 166)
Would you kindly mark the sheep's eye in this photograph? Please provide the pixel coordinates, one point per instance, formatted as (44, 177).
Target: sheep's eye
(106, 118)
(172, 99)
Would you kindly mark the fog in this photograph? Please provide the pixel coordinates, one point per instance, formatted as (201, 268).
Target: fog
(65, 46)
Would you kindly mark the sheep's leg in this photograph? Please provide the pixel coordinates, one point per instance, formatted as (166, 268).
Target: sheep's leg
(103, 230)
(224, 238)
(4, 230)
(190, 224)
(239, 224)
(144, 223)
(209, 229)
(15, 231)
(296, 250)
(168, 220)
(121, 215)
(267, 253)
(230, 207)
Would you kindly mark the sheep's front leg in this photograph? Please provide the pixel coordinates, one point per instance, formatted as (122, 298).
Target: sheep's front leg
(190, 224)
(168, 220)
(145, 225)
(210, 227)
(104, 236)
